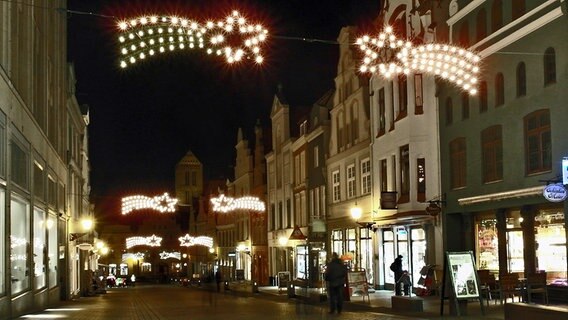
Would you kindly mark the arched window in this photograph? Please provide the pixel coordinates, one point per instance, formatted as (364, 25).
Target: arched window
(499, 90)
(482, 96)
(463, 40)
(492, 154)
(496, 15)
(538, 143)
(517, 9)
(449, 111)
(549, 66)
(458, 163)
(481, 25)
(521, 80)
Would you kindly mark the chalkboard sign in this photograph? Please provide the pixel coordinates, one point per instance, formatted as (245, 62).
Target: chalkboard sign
(357, 283)
(283, 279)
(460, 270)
(240, 274)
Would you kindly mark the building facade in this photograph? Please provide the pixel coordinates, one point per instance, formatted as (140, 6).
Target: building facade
(503, 147)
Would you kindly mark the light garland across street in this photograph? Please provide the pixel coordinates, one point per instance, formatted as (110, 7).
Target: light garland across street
(151, 241)
(390, 56)
(167, 255)
(161, 203)
(226, 204)
(188, 241)
(232, 37)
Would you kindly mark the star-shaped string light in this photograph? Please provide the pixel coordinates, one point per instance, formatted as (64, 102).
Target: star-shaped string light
(135, 256)
(161, 203)
(232, 37)
(189, 241)
(167, 255)
(390, 56)
(226, 204)
(151, 241)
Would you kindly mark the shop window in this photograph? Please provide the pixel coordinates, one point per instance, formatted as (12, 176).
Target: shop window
(549, 66)
(351, 242)
(449, 111)
(402, 245)
(123, 269)
(521, 80)
(337, 241)
(492, 154)
(52, 251)
(389, 254)
(487, 244)
(465, 105)
(302, 265)
(538, 147)
(418, 250)
(458, 163)
(366, 253)
(496, 15)
(481, 24)
(550, 244)
(19, 244)
(404, 174)
(517, 9)
(39, 248)
(499, 90)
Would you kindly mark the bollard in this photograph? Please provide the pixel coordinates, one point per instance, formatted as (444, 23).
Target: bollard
(226, 286)
(254, 287)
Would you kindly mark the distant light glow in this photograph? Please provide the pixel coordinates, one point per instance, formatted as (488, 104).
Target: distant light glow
(390, 56)
(188, 241)
(237, 38)
(161, 203)
(226, 204)
(151, 241)
(135, 256)
(170, 255)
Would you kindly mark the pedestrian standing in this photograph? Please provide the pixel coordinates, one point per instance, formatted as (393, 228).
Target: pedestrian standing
(396, 267)
(218, 279)
(335, 274)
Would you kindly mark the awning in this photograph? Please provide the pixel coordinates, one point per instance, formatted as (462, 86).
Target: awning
(404, 218)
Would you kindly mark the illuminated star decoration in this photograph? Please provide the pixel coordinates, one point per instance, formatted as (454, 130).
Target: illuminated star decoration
(152, 241)
(135, 256)
(226, 204)
(167, 255)
(391, 56)
(149, 35)
(188, 241)
(161, 203)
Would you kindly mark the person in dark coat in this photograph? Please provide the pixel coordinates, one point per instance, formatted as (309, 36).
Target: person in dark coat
(396, 267)
(335, 274)
(218, 279)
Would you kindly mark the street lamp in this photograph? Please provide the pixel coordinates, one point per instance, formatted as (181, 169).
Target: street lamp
(356, 212)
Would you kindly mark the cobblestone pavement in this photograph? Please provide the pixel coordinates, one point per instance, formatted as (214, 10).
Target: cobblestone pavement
(150, 302)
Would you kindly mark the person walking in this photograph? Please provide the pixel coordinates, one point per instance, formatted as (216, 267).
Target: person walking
(218, 279)
(335, 274)
(396, 267)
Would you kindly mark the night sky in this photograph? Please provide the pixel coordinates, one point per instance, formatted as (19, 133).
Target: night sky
(145, 118)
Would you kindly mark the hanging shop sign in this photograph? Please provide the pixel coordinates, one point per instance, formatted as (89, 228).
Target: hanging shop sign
(555, 192)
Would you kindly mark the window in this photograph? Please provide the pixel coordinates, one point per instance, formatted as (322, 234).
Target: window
(289, 221)
(39, 181)
(316, 156)
(392, 105)
(280, 216)
(366, 250)
(337, 241)
(517, 9)
(465, 106)
(186, 177)
(482, 97)
(521, 80)
(463, 39)
(418, 94)
(382, 124)
(492, 154)
(351, 181)
(549, 66)
(19, 165)
(19, 244)
(355, 122)
(496, 15)
(499, 90)
(538, 147)
(481, 25)
(52, 251)
(39, 248)
(402, 96)
(2, 236)
(458, 163)
(404, 174)
(194, 178)
(272, 216)
(336, 186)
(421, 179)
(3, 153)
(366, 176)
(384, 180)
(449, 111)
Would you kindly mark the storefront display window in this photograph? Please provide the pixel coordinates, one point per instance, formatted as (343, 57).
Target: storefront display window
(52, 249)
(366, 253)
(123, 269)
(388, 252)
(19, 244)
(515, 259)
(40, 228)
(550, 244)
(337, 241)
(302, 262)
(418, 239)
(487, 251)
(402, 245)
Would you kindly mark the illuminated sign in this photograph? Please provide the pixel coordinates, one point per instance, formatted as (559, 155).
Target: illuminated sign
(554, 192)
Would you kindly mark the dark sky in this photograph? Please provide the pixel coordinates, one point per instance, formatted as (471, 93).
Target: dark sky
(145, 118)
